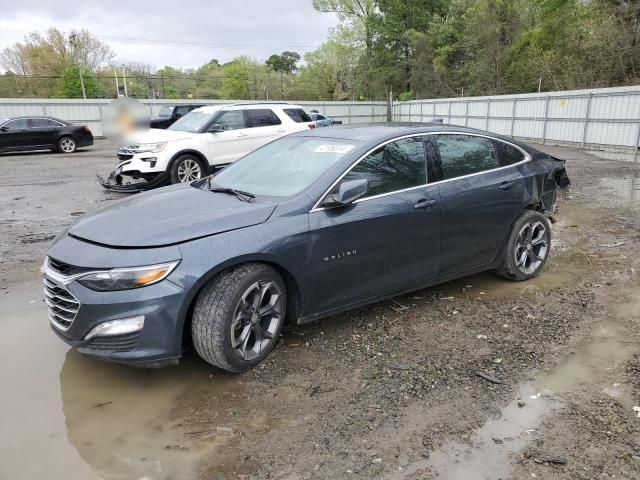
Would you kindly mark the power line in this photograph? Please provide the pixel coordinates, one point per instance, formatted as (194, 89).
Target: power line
(180, 43)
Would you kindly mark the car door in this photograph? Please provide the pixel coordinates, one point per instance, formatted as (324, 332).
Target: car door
(14, 134)
(264, 126)
(480, 200)
(383, 242)
(43, 132)
(228, 137)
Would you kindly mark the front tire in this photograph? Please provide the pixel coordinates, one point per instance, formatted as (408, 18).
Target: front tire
(186, 168)
(67, 145)
(527, 247)
(238, 316)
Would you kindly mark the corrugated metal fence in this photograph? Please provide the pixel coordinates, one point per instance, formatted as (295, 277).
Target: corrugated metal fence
(89, 112)
(607, 118)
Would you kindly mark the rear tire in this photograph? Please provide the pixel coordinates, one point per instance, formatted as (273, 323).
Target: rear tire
(527, 248)
(238, 316)
(67, 145)
(186, 168)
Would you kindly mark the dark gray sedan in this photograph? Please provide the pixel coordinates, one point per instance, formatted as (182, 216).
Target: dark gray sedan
(307, 226)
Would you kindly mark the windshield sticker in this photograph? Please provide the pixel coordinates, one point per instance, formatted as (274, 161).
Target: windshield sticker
(333, 148)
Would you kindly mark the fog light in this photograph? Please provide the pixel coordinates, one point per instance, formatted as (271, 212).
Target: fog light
(117, 327)
(150, 160)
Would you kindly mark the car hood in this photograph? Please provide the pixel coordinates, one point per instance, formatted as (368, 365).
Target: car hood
(155, 135)
(169, 216)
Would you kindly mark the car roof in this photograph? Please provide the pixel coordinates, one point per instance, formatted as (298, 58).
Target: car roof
(35, 116)
(231, 106)
(380, 132)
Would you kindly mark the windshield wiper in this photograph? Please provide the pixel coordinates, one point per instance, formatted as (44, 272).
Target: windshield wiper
(244, 196)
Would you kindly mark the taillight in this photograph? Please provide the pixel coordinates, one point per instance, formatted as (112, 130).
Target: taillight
(86, 130)
(312, 125)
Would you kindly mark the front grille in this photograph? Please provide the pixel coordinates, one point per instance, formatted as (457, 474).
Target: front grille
(119, 343)
(66, 268)
(63, 306)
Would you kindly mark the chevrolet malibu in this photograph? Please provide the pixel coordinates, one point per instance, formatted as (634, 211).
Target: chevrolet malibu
(312, 224)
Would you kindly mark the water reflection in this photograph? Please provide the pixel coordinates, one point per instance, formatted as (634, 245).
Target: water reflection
(120, 419)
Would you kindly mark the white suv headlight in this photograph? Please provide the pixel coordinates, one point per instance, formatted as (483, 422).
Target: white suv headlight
(150, 147)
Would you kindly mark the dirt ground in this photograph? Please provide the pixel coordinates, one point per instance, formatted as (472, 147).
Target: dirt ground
(479, 378)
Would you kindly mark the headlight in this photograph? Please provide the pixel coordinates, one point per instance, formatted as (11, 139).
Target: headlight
(150, 147)
(127, 278)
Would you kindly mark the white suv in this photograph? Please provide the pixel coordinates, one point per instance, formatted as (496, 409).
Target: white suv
(204, 138)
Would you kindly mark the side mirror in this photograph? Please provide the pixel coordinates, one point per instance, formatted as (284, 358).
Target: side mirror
(346, 193)
(4, 129)
(215, 129)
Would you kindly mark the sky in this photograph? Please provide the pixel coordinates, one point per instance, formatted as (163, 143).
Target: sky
(183, 33)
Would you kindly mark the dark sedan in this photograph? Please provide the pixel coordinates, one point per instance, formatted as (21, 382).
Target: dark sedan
(170, 114)
(42, 133)
(310, 225)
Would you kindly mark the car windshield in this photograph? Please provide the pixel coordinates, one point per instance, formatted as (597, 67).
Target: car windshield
(165, 111)
(193, 122)
(284, 167)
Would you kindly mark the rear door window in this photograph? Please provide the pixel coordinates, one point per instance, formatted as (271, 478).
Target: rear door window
(508, 154)
(43, 123)
(395, 166)
(231, 120)
(462, 155)
(297, 115)
(260, 117)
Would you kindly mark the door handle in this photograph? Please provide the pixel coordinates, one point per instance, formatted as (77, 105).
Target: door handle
(425, 203)
(282, 130)
(506, 185)
(242, 135)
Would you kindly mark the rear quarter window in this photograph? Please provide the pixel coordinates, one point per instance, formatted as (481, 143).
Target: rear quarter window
(297, 115)
(508, 154)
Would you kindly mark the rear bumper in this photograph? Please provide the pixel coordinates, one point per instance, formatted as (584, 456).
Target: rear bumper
(85, 141)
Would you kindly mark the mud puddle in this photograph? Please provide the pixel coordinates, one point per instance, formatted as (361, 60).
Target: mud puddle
(85, 419)
(594, 363)
(487, 455)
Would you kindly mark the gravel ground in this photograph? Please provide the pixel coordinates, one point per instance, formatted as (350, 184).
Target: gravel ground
(477, 378)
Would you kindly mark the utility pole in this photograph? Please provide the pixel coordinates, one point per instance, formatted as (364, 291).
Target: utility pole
(72, 41)
(124, 79)
(115, 74)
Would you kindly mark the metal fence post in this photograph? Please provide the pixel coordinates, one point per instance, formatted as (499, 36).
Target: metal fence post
(421, 112)
(44, 108)
(373, 112)
(513, 116)
(466, 113)
(586, 120)
(486, 119)
(544, 125)
(635, 152)
(449, 113)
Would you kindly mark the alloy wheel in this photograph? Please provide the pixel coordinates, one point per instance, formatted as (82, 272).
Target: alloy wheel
(531, 247)
(189, 170)
(256, 319)
(67, 145)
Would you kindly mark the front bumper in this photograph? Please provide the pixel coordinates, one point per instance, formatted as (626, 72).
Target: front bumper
(158, 342)
(136, 172)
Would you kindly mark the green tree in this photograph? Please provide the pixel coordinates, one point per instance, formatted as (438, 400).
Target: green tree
(70, 86)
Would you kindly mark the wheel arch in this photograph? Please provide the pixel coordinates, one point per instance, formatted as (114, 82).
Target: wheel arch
(189, 151)
(294, 293)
